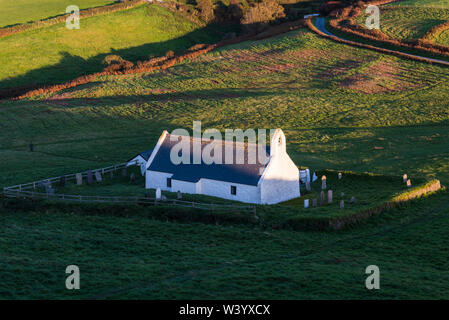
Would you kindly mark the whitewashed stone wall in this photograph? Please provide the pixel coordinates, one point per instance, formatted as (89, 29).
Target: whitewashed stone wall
(245, 193)
(154, 180)
(183, 186)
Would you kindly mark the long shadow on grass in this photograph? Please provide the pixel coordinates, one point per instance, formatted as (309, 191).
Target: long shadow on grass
(70, 66)
(213, 94)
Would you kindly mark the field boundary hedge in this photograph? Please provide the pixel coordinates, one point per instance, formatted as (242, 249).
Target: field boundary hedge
(344, 21)
(89, 12)
(159, 63)
(312, 27)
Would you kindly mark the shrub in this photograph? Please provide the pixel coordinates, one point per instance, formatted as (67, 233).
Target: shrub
(229, 13)
(114, 62)
(206, 10)
(170, 54)
(261, 14)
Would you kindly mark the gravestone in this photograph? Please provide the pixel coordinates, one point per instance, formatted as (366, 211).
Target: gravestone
(322, 198)
(124, 172)
(79, 179)
(314, 177)
(342, 204)
(132, 178)
(306, 203)
(323, 183)
(308, 188)
(158, 193)
(352, 200)
(409, 183)
(179, 195)
(329, 196)
(62, 181)
(98, 176)
(340, 175)
(89, 177)
(314, 202)
(404, 178)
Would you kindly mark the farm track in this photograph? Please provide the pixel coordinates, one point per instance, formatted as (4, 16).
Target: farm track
(308, 253)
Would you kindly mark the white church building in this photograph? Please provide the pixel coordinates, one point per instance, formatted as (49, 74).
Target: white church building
(272, 182)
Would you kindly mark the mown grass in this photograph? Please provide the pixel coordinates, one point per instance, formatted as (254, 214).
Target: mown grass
(407, 22)
(54, 54)
(341, 107)
(443, 38)
(423, 3)
(25, 11)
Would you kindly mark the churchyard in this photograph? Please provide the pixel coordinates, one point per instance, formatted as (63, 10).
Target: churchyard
(335, 196)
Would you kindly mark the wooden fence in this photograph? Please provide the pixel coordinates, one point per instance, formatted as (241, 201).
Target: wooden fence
(28, 191)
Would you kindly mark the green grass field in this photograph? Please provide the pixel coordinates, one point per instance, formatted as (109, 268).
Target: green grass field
(423, 3)
(24, 11)
(64, 54)
(443, 38)
(341, 108)
(410, 22)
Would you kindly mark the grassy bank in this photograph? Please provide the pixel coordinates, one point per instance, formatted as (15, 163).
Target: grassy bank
(26, 11)
(64, 54)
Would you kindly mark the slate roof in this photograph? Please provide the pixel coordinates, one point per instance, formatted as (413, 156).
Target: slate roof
(246, 173)
(146, 155)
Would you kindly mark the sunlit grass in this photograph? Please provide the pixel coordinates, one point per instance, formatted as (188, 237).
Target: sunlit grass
(24, 11)
(54, 53)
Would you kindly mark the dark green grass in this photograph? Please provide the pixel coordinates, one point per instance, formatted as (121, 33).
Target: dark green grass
(136, 257)
(295, 81)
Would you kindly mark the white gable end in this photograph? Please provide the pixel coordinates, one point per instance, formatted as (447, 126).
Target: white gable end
(280, 181)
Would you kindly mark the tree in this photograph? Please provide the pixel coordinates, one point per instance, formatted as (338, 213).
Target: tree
(260, 14)
(206, 9)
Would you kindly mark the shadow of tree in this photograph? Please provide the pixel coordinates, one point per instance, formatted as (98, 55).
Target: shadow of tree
(70, 66)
